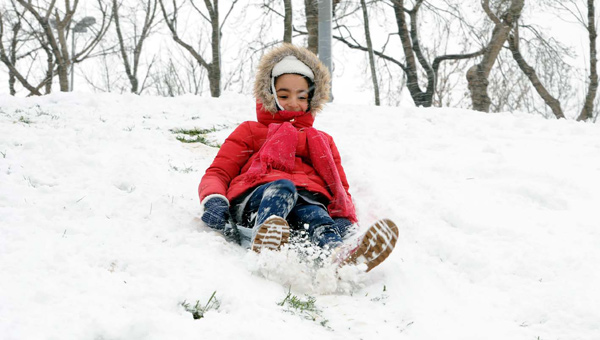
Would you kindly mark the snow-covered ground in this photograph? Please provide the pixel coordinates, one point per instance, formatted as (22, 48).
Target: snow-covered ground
(100, 235)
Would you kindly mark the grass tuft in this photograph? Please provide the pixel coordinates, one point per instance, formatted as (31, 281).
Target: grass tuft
(186, 169)
(198, 310)
(25, 120)
(306, 308)
(195, 136)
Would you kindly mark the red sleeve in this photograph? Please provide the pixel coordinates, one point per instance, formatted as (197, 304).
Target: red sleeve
(232, 156)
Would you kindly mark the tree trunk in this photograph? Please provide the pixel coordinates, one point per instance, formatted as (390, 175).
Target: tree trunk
(553, 103)
(214, 71)
(63, 56)
(477, 75)
(58, 45)
(311, 10)
(50, 70)
(130, 74)
(12, 79)
(287, 22)
(588, 108)
(412, 78)
(131, 68)
(371, 56)
(416, 47)
(63, 76)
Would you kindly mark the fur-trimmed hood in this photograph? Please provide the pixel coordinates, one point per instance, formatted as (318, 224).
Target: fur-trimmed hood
(262, 82)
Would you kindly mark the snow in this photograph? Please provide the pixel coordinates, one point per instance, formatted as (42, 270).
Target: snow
(100, 236)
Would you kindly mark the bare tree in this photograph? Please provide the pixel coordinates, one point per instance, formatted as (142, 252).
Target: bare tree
(214, 66)
(178, 75)
(21, 45)
(12, 53)
(266, 21)
(412, 52)
(552, 102)
(288, 17)
(167, 82)
(131, 63)
(416, 61)
(508, 86)
(370, 52)
(9, 56)
(50, 15)
(477, 75)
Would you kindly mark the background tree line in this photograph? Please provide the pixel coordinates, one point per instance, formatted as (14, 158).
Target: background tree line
(488, 55)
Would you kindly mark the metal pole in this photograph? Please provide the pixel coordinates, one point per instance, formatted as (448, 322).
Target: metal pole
(72, 58)
(325, 18)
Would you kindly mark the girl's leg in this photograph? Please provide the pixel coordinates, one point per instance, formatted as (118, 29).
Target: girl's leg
(275, 199)
(321, 227)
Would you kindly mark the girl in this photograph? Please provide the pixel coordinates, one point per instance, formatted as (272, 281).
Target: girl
(279, 172)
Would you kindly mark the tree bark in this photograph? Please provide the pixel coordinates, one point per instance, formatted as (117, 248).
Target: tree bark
(311, 10)
(371, 56)
(588, 108)
(477, 75)
(13, 56)
(49, 67)
(287, 22)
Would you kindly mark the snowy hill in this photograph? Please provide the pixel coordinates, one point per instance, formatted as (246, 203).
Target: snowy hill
(100, 235)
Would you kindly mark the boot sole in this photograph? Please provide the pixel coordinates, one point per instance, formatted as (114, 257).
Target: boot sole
(272, 234)
(376, 245)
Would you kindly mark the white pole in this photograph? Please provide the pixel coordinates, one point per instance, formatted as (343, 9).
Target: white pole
(325, 18)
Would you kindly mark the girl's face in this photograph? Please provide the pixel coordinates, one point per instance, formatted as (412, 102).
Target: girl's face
(292, 92)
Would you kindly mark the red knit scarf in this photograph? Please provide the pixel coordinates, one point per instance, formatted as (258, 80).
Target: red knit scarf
(279, 152)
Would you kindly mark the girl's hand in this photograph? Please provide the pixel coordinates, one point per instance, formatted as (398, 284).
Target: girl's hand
(216, 213)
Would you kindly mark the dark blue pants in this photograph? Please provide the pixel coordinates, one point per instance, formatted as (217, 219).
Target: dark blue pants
(280, 198)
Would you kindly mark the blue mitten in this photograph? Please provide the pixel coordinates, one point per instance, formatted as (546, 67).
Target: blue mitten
(216, 212)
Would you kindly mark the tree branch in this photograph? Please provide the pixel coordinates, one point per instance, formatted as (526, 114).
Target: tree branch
(182, 43)
(227, 15)
(377, 53)
(438, 60)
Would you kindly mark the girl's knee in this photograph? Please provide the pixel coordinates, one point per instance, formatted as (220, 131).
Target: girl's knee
(282, 188)
(284, 184)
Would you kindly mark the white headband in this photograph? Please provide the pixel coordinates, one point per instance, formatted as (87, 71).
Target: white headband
(291, 64)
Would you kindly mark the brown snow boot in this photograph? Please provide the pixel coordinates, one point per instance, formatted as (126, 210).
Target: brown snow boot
(272, 234)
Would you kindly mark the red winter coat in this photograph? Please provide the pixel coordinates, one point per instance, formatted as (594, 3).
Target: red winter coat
(225, 175)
